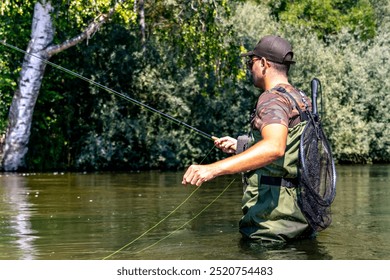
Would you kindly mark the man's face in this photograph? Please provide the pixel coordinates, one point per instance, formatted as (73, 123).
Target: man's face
(255, 65)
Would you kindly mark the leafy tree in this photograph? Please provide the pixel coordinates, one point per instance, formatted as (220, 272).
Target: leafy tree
(42, 47)
(182, 72)
(328, 17)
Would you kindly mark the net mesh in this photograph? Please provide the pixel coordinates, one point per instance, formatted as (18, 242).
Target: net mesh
(317, 176)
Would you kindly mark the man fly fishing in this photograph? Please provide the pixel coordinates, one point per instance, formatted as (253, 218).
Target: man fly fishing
(269, 159)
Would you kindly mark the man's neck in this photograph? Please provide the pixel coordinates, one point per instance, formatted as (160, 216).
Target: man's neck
(271, 83)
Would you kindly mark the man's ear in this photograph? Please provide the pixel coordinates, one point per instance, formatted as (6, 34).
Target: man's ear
(264, 62)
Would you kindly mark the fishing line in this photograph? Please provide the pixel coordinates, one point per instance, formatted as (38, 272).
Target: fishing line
(193, 218)
(153, 227)
(122, 95)
(157, 224)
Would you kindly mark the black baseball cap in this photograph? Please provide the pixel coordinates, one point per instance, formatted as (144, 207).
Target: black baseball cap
(273, 48)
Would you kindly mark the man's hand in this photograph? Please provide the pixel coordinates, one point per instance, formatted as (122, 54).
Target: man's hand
(226, 144)
(198, 174)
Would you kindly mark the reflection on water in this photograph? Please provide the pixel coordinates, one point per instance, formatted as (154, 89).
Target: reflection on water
(16, 231)
(123, 216)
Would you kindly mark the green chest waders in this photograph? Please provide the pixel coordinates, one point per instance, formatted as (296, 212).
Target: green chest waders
(269, 204)
(270, 200)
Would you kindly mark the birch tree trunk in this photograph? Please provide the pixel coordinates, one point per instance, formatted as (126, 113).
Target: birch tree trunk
(25, 97)
(31, 75)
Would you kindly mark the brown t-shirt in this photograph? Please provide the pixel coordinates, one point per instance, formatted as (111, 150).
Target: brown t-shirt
(275, 107)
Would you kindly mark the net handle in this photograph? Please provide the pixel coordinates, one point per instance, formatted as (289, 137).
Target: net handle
(314, 90)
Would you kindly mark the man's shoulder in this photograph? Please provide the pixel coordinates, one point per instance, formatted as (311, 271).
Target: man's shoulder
(294, 96)
(274, 95)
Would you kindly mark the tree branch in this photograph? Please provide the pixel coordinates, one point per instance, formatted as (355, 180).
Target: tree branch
(87, 33)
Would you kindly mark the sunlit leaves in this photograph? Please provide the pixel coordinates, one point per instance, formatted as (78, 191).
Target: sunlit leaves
(70, 17)
(196, 29)
(80, 10)
(328, 17)
(8, 7)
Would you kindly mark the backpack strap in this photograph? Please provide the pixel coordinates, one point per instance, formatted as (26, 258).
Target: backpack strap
(302, 116)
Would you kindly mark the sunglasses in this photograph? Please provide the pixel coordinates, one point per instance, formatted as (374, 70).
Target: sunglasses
(249, 63)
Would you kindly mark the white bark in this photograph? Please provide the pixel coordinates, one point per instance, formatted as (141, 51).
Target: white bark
(23, 103)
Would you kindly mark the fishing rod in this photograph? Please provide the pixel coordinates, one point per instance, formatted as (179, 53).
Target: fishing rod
(122, 95)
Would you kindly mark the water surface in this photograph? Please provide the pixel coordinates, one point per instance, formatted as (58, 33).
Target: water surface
(136, 216)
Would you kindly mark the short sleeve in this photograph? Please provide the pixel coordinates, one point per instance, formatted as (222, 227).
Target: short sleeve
(272, 108)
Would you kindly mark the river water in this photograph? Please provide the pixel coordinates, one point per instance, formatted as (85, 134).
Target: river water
(152, 216)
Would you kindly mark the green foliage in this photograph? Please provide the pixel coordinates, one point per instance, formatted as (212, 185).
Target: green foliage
(72, 16)
(328, 17)
(19, 7)
(198, 34)
(366, 75)
(353, 74)
(191, 69)
(8, 81)
(177, 74)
